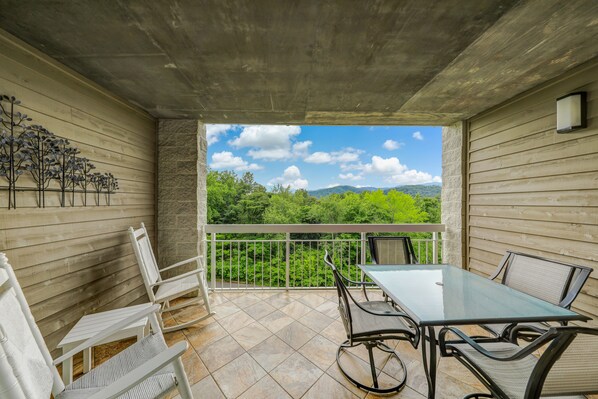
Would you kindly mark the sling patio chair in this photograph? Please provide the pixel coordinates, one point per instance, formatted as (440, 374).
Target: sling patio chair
(390, 251)
(555, 282)
(566, 369)
(145, 370)
(370, 323)
(163, 291)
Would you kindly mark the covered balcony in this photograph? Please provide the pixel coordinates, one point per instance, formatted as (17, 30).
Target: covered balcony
(132, 84)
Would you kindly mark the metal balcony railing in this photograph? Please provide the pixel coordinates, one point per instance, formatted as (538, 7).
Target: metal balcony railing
(290, 256)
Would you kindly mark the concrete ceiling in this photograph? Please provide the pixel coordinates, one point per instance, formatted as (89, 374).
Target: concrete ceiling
(312, 62)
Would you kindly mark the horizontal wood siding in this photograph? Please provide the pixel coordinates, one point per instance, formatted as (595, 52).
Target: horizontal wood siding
(533, 190)
(77, 260)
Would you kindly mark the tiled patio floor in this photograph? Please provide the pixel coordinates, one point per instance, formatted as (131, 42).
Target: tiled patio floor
(283, 345)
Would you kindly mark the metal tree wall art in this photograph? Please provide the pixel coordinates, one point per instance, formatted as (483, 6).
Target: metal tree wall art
(50, 161)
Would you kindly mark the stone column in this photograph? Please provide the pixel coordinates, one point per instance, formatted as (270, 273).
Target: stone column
(454, 167)
(182, 208)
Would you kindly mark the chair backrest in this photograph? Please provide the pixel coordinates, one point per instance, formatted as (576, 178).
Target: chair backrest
(343, 296)
(555, 282)
(569, 365)
(26, 367)
(392, 250)
(145, 257)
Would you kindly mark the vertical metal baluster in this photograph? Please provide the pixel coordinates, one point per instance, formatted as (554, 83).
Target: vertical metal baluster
(246, 265)
(302, 267)
(238, 264)
(213, 256)
(254, 251)
(288, 260)
(262, 264)
(230, 265)
(318, 260)
(434, 247)
(427, 242)
(278, 263)
(311, 264)
(270, 265)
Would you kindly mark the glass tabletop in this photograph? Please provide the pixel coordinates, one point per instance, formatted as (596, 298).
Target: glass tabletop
(444, 294)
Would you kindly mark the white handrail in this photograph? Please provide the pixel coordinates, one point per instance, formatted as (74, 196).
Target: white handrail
(325, 228)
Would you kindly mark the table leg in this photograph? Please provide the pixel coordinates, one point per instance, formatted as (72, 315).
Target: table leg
(87, 359)
(67, 367)
(429, 355)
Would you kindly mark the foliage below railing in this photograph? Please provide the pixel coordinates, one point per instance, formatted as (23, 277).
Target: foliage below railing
(270, 260)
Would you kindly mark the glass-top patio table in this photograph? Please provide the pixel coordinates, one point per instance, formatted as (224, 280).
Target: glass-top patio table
(441, 295)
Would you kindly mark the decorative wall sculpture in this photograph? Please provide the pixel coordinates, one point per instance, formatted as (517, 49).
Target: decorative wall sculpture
(51, 163)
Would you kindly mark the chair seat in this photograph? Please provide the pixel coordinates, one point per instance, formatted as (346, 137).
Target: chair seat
(134, 356)
(175, 288)
(513, 376)
(499, 329)
(366, 324)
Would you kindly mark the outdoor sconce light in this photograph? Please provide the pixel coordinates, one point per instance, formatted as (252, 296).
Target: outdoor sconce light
(571, 112)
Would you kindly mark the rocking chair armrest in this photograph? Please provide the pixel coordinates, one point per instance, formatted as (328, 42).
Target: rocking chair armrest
(175, 278)
(140, 374)
(108, 331)
(464, 339)
(183, 262)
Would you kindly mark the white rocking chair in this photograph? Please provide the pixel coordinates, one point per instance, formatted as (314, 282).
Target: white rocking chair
(147, 369)
(171, 288)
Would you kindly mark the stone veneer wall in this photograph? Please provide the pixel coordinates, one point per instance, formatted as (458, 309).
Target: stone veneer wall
(454, 157)
(182, 209)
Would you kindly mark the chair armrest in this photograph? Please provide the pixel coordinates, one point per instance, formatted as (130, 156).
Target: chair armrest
(181, 263)
(108, 331)
(175, 278)
(140, 374)
(526, 351)
(362, 283)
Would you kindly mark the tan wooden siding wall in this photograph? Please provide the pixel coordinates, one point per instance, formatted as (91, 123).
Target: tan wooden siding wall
(77, 260)
(533, 190)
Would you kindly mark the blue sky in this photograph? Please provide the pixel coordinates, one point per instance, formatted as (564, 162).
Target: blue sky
(313, 157)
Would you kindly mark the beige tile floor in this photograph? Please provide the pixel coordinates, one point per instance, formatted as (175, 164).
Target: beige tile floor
(283, 345)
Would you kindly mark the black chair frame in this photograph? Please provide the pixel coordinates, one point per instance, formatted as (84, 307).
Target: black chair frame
(373, 339)
(571, 290)
(558, 338)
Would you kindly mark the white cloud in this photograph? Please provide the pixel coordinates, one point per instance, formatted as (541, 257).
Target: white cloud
(276, 154)
(343, 156)
(269, 142)
(392, 145)
(291, 177)
(319, 157)
(226, 160)
(384, 166)
(413, 177)
(213, 132)
(350, 176)
(266, 136)
(301, 148)
(352, 166)
(418, 135)
(393, 171)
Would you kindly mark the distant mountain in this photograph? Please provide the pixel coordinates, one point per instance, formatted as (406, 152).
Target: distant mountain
(425, 190)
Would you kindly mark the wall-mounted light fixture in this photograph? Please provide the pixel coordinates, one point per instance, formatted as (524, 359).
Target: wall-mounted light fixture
(571, 112)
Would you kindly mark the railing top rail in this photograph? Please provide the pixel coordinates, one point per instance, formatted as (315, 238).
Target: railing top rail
(324, 228)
